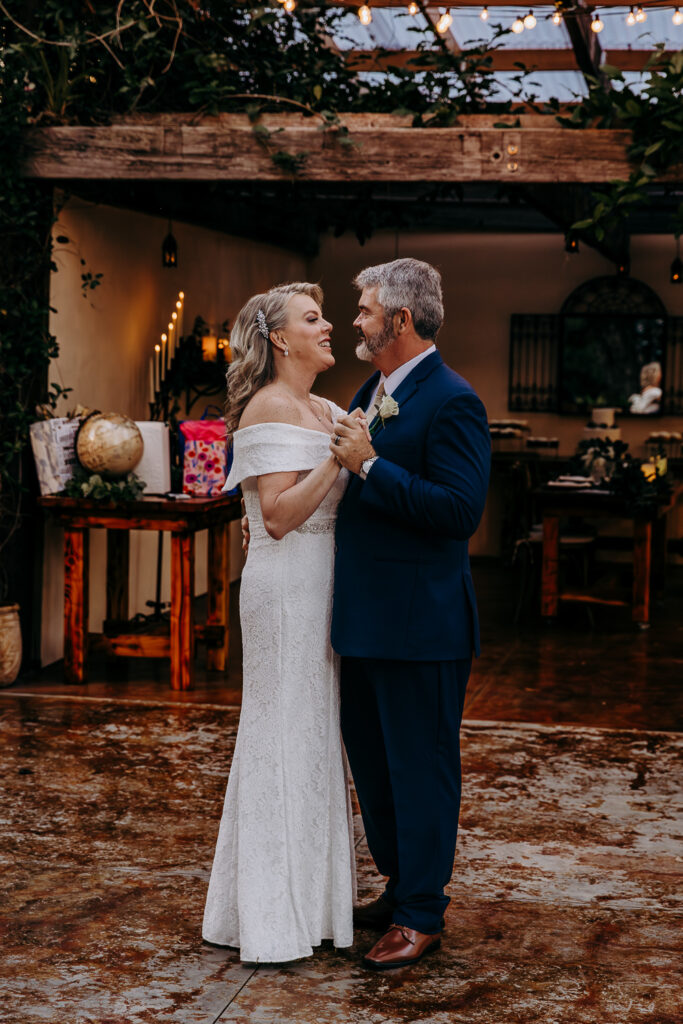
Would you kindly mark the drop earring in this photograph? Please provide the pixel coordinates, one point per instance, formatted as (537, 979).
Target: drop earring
(286, 352)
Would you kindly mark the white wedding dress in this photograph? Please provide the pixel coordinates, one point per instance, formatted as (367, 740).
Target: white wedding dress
(283, 876)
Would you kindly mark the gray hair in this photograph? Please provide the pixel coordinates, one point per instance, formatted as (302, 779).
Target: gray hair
(253, 364)
(408, 283)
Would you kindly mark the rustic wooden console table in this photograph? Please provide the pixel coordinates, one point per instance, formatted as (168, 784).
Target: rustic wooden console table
(181, 518)
(649, 545)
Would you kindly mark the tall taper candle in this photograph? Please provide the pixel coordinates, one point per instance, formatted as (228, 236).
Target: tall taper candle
(151, 380)
(157, 374)
(164, 356)
(171, 342)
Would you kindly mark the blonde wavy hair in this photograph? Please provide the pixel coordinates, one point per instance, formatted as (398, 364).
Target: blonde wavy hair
(253, 364)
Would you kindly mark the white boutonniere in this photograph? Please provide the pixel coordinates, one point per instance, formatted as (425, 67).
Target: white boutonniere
(388, 407)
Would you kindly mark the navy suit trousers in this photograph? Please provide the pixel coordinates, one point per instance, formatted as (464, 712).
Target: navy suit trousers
(401, 727)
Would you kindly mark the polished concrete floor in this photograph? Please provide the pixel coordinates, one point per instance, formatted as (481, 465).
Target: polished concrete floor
(565, 894)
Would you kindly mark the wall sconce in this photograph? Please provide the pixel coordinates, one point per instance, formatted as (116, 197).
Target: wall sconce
(169, 249)
(571, 244)
(676, 272)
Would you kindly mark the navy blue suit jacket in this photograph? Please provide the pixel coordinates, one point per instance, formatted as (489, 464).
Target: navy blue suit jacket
(402, 586)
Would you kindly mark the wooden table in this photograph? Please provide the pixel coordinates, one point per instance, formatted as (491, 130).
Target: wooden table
(182, 518)
(649, 545)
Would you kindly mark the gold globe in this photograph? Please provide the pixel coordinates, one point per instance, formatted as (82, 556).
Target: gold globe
(109, 444)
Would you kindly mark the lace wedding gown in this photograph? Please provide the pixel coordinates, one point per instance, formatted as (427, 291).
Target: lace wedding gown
(283, 874)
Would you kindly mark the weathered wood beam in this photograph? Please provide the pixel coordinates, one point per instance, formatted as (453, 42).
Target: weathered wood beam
(585, 42)
(501, 60)
(226, 149)
(446, 39)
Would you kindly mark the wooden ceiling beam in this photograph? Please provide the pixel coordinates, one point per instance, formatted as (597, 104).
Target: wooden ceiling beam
(585, 42)
(501, 59)
(226, 149)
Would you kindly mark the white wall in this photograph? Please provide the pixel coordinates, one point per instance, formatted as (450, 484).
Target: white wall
(107, 338)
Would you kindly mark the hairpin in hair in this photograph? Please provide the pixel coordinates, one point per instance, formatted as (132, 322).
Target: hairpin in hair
(262, 324)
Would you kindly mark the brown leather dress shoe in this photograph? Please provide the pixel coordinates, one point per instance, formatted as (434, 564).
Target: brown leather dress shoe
(400, 946)
(377, 914)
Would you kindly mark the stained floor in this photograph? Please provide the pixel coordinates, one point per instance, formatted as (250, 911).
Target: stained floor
(565, 899)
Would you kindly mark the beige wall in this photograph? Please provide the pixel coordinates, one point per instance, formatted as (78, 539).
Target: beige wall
(486, 278)
(106, 340)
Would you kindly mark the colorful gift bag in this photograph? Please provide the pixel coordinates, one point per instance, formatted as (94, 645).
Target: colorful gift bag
(204, 457)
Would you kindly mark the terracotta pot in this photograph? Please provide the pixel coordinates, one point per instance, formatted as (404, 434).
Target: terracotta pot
(10, 644)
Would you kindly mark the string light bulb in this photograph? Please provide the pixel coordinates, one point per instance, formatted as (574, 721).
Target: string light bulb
(517, 26)
(530, 20)
(181, 295)
(484, 14)
(289, 5)
(413, 9)
(631, 17)
(364, 15)
(557, 18)
(444, 23)
(677, 17)
(596, 24)
(641, 15)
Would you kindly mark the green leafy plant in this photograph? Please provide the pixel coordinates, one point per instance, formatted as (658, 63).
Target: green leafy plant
(95, 487)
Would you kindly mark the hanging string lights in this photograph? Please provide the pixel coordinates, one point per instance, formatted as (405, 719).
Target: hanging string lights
(641, 15)
(413, 9)
(597, 24)
(557, 17)
(677, 17)
(444, 23)
(289, 5)
(484, 14)
(364, 15)
(631, 17)
(517, 26)
(530, 21)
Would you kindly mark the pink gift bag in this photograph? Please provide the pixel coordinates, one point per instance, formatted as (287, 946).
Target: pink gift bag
(204, 457)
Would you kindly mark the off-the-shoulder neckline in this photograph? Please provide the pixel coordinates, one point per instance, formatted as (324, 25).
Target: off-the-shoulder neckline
(275, 423)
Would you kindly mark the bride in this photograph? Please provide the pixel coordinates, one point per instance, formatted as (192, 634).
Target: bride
(283, 876)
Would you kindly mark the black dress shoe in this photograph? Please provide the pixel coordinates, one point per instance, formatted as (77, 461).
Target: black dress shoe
(377, 914)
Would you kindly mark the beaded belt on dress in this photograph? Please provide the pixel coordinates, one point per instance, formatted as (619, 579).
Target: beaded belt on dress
(317, 526)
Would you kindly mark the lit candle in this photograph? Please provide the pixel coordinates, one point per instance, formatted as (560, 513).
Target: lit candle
(209, 346)
(157, 375)
(180, 307)
(171, 334)
(164, 356)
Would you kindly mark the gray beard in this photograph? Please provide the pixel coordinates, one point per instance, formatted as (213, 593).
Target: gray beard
(368, 348)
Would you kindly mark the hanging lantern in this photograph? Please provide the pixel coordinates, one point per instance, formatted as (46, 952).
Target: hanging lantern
(169, 249)
(676, 272)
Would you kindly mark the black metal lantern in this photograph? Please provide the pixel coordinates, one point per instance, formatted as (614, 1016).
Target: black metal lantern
(676, 272)
(169, 249)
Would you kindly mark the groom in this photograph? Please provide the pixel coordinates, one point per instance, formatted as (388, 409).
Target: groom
(405, 619)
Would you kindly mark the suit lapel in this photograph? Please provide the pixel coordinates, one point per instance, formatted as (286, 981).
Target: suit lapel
(410, 386)
(362, 396)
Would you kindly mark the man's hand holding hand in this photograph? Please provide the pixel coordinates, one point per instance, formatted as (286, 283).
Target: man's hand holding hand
(351, 442)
